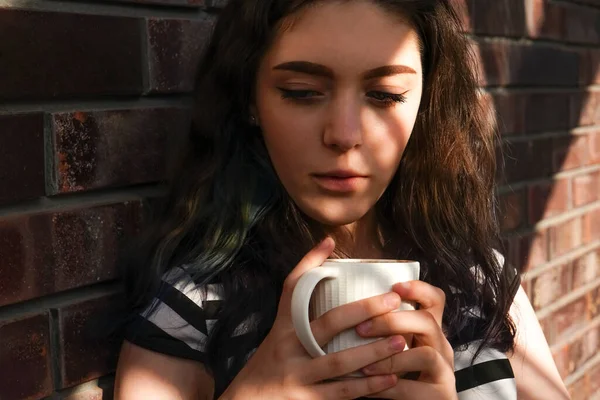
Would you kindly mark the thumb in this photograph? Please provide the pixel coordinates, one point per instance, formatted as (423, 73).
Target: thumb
(312, 259)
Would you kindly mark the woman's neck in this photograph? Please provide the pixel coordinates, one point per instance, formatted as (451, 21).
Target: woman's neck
(360, 239)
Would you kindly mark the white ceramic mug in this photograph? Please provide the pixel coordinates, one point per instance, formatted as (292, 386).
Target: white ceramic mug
(342, 281)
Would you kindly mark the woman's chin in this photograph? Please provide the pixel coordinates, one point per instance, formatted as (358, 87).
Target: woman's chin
(336, 217)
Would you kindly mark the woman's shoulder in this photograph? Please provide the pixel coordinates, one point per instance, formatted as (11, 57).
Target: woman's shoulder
(180, 317)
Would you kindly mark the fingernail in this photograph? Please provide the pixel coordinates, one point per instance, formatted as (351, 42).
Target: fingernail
(397, 343)
(389, 380)
(404, 285)
(369, 369)
(365, 327)
(391, 300)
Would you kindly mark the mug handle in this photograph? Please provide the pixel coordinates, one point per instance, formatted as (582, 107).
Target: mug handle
(300, 303)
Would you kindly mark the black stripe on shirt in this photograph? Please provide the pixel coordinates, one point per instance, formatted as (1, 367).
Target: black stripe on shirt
(191, 312)
(482, 373)
(145, 334)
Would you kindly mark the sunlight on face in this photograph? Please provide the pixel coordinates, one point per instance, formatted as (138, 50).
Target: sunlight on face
(337, 98)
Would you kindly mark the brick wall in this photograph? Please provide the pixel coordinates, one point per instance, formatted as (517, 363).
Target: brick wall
(92, 92)
(540, 61)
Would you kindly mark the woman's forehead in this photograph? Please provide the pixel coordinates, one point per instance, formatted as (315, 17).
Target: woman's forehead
(356, 34)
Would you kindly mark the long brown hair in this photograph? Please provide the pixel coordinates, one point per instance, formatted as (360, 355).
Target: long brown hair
(229, 220)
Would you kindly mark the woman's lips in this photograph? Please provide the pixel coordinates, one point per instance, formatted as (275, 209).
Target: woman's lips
(340, 184)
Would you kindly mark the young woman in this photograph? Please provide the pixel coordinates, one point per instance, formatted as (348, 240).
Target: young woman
(352, 121)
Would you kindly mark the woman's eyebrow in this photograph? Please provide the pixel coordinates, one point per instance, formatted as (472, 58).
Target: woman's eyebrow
(388, 70)
(310, 68)
(306, 67)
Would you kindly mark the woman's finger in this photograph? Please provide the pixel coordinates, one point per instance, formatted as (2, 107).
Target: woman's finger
(352, 360)
(312, 259)
(426, 360)
(429, 297)
(412, 390)
(354, 388)
(349, 315)
(421, 323)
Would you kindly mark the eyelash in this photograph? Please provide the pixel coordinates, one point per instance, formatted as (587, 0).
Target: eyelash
(307, 96)
(389, 99)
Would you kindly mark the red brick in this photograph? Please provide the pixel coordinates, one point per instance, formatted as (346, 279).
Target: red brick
(21, 156)
(569, 152)
(112, 148)
(593, 307)
(545, 20)
(25, 358)
(493, 62)
(570, 319)
(547, 112)
(528, 160)
(85, 352)
(535, 65)
(586, 188)
(534, 249)
(548, 199)
(506, 63)
(591, 343)
(174, 48)
(512, 210)
(80, 54)
(566, 236)
(575, 354)
(594, 148)
(594, 381)
(590, 66)
(586, 269)
(499, 17)
(550, 285)
(579, 389)
(52, 252)
(581, 25)
(561, 359)
(585, 108)
(591, 226)
(510, 109)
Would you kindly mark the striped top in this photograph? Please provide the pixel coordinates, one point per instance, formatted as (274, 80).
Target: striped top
(182, 318)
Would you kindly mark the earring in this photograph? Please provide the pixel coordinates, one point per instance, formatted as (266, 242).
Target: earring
(253, 120)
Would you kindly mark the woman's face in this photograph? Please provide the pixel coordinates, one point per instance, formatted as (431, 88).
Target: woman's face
(337, 98)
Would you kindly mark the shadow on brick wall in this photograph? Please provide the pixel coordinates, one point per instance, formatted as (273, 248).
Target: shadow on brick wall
(537, 59)
(537, 85)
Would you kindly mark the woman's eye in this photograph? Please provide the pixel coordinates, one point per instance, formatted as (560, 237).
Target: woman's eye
(299, 94)
(386, 99)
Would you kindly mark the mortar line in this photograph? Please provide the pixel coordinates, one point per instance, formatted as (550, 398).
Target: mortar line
(108, 9)
(82, 200)
(529, 275)
(568, 298)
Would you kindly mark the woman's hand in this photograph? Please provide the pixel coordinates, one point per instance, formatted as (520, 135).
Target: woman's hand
(430, 354)
(282, 369)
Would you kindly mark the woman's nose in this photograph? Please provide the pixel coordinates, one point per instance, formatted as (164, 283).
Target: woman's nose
(343, 130)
